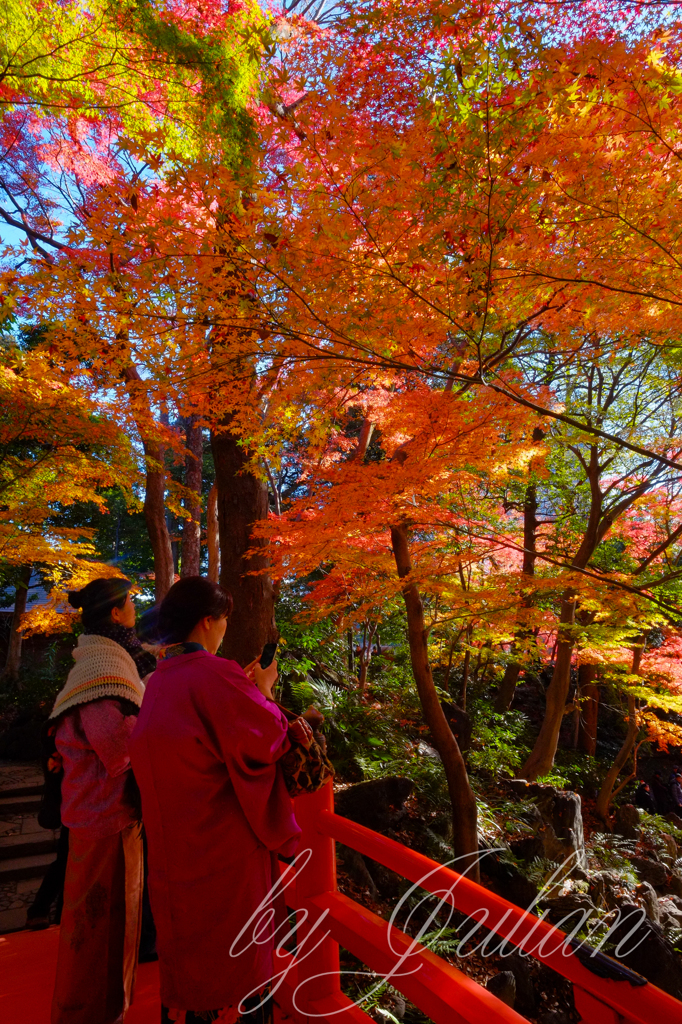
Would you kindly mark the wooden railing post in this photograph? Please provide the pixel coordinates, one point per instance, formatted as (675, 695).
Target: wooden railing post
(317, 953)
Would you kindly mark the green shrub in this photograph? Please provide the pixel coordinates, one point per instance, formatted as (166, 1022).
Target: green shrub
(40, 680)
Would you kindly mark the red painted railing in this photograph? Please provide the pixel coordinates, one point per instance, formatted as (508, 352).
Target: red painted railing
(308, 983)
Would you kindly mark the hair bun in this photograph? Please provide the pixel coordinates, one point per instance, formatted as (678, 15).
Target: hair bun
(75, 599)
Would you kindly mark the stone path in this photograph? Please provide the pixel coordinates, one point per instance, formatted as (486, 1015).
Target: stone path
(25, 848)
(14, 774)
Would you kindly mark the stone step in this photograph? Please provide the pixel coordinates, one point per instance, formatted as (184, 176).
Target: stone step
(25, 804)
(13, 920)
(27, 789)
(40, 840)
(34, 866)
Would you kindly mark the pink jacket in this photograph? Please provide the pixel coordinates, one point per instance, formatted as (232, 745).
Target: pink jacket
(214, 804)
(93, 742)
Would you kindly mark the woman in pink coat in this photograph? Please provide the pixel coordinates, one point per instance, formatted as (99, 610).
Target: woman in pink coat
(215, 806)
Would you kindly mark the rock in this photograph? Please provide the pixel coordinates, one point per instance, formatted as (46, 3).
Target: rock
(670, 848)
(647, 895)
(522, 788)
(554, 1017)
(397, 1004)
(674, 819)
(609, 888)
(353, 864)
(459, 722)
(567, 910)
(674, 885)
(650, 870)
(368, 874)
(426, 750)
(387, 882)
(509, 881)
(522, 969)
(561, 830)
(528, 847)
(377, 804)
(503, 985)
(329, 675)
(627, 821)
(562, 811)
(531, 815)
(670, 913)
(643, 947)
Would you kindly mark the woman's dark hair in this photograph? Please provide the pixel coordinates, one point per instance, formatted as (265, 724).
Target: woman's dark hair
(188, 602)
(98, 598)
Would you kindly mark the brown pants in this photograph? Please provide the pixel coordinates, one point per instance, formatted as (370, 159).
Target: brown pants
(100, 928)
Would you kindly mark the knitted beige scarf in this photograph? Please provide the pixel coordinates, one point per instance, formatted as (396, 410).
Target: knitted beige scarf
(103, 669)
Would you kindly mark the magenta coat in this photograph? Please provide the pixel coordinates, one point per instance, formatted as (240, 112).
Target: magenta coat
(214, 804)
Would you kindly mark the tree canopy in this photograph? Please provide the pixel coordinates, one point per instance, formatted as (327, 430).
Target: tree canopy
(415, 271)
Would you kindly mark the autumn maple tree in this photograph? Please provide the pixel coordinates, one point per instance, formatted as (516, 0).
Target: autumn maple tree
(423, 298)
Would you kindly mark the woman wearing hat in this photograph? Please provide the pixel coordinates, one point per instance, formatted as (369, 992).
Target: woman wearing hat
(94, 714)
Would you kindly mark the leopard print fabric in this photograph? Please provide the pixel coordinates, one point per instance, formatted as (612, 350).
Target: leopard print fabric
(305, 766)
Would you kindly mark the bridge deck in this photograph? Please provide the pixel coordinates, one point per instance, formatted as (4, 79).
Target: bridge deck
(27, 968)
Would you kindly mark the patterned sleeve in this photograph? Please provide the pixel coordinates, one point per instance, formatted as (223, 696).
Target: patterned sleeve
(107, 730)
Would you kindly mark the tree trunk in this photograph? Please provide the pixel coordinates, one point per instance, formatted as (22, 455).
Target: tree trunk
(446, 681)
(363, 441)
(155, 484)
(242, 502)
(465, 680)
(541, 757)
(507, 688)
(155, 518)
(598, 525)
(465, 837)
(13, 660)
(604, 798)
(366, 652)
(212, 535)
(190, 555)
(588, 710)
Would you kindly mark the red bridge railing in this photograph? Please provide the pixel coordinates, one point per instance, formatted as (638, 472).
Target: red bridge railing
(307, 983)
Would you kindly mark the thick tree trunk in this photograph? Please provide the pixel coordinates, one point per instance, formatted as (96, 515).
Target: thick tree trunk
(13, 660)
(242, 502)
(462, 799)
(212, 535)
(507, 688)
(190, 555)
(588, 710)
(604, 798)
